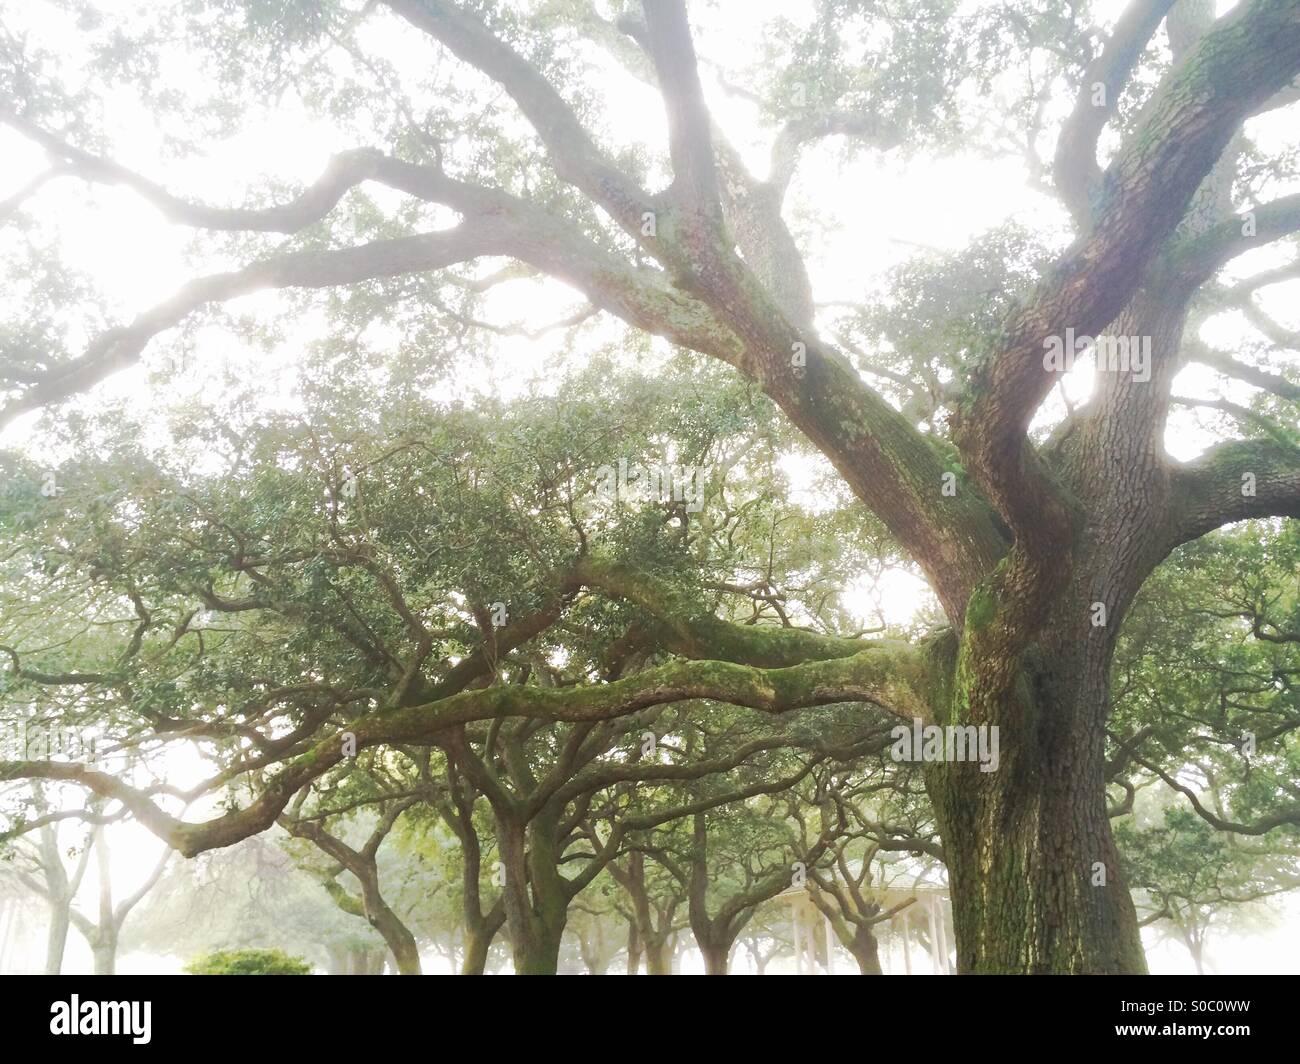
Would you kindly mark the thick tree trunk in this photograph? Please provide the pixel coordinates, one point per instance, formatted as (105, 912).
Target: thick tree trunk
(537, 952)
(406, 955)
(1033, 869)
(658, 957)
(1035, 877)
(535, 903)
(717, 956)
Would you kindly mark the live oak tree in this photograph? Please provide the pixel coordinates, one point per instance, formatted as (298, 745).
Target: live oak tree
(1222, 727)
(321, 824)
(1204, 763)
(1029, 539)
(595, 931)
(733, 861)
(654, 902)
(1191, 881)
(453, 827)
(872, 814)
(268, 598)
(40, 865)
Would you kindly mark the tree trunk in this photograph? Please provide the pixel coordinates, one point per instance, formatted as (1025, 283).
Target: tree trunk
(538, 951)
(397, 936)
(866, 952)
(633, 948)
(1033, 869)
(105, 954)
(535, 903)
(1034, 874)
(56, 939)
(715, 960)
(477, 943)
(658, 957)
(716, 957)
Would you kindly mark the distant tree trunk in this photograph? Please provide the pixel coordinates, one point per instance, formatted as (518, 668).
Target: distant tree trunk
(478, 940)
(866, 952)
(717, 956)
(633, 948)
(56, 938)
(480, 928)
(105, 956)
(659, 956)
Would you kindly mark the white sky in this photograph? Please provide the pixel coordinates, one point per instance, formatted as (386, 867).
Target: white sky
(884, 206)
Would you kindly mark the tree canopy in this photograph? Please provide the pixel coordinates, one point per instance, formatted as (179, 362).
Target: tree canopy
(542, 518)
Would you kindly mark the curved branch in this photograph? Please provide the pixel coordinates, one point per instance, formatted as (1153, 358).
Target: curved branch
(1261, 827)
(573, 153)
(1145, 194)
(888, 677)
(1231, 367)
(1075, 169)
(1196, 261)
(1234, 481)
(344, 171)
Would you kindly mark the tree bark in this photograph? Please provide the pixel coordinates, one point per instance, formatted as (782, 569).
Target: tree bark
(658, 957)
(477, 943)
(717, 956)
(1033, 869)
(535, 903)
(396, 935)
(633, 948)
(866, 952)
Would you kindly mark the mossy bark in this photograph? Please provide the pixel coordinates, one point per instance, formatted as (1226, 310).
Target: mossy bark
(536, 901)
(1034, 873)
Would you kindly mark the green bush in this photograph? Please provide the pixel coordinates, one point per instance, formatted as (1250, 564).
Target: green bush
(248, 962)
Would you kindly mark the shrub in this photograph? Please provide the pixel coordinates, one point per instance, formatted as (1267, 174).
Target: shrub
(248, 962)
